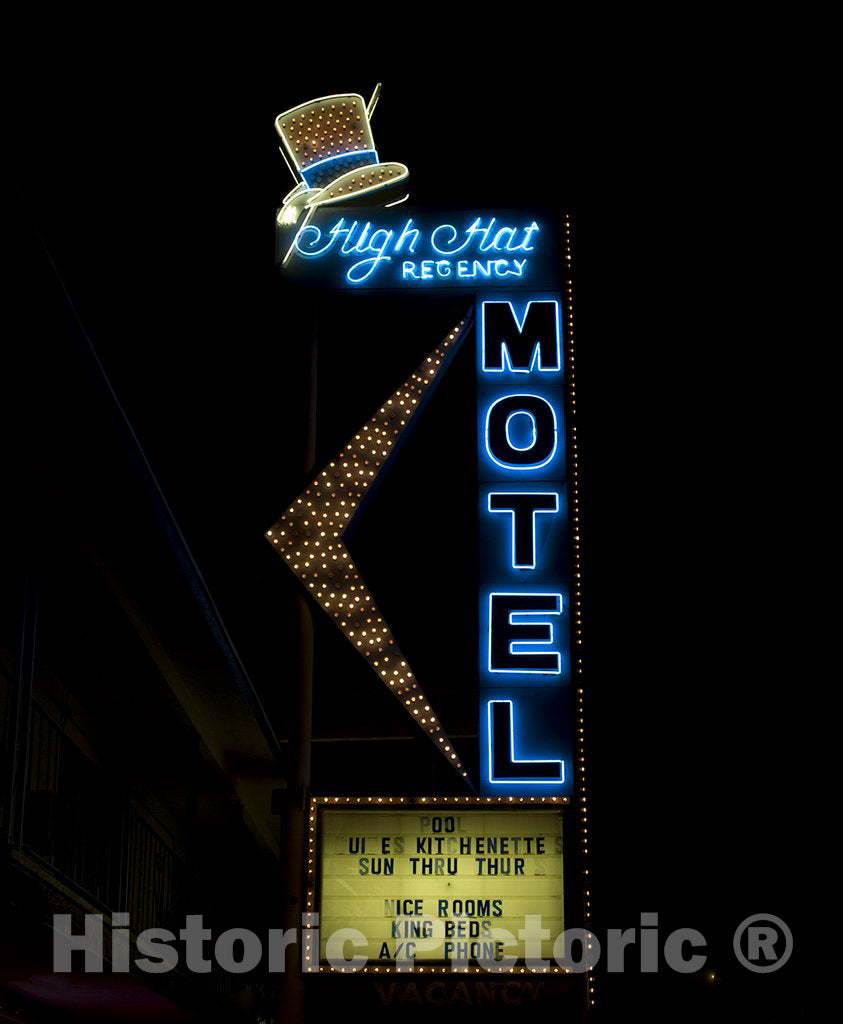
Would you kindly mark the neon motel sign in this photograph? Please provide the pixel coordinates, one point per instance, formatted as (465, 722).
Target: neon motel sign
(508, 261)
(524, 650)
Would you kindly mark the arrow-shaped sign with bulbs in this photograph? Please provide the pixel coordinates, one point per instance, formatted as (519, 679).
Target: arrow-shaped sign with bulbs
(308, 536)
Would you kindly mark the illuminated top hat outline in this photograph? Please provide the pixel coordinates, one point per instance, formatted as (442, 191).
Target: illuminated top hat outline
(328, 144)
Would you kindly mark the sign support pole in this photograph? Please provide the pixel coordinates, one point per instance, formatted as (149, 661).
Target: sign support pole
(294, 819)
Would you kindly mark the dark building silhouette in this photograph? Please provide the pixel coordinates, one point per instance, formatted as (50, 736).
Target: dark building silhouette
(137, 764)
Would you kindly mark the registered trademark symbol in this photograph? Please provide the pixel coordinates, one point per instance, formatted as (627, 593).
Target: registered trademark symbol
(763, 943)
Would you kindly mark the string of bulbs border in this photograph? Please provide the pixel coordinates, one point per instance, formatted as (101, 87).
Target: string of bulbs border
(580, 774)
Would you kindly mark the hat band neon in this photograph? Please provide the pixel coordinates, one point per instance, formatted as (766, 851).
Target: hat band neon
(320, 174)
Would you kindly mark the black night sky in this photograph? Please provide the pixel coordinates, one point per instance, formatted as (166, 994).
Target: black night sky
(151, 171)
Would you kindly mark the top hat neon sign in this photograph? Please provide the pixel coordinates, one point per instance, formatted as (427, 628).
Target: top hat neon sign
(328, 146)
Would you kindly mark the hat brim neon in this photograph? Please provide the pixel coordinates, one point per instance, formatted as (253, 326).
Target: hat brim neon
(363, 183)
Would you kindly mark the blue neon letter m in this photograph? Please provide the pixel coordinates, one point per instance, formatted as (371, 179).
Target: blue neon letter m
(520, 346)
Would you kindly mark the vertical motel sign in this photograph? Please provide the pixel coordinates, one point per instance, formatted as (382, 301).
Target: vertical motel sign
(508, 263)
(524, 591)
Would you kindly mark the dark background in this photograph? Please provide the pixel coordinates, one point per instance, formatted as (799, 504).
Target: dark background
(149, 166)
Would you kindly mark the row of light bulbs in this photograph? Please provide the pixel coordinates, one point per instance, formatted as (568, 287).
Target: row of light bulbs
(577, 597)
